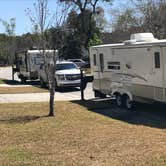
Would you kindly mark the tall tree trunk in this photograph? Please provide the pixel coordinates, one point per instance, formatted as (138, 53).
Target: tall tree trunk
(52, 92)
(52, 88)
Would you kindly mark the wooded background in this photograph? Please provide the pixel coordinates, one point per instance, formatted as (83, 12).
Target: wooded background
(85, 24)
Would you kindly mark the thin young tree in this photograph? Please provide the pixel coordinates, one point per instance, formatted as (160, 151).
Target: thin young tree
(10, 39)
(42, 19)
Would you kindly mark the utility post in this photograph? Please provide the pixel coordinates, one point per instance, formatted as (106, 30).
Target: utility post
(82, 85)
(13, 72)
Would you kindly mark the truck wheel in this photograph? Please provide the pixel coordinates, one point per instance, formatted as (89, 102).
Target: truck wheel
(119, 100)
(128, 102)
(23, 80)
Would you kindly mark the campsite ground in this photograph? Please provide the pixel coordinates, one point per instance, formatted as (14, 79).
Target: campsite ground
(82, 133)
(91, 132)
(15, 92)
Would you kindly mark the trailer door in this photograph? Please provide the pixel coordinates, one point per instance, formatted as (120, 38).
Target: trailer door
(158, 75)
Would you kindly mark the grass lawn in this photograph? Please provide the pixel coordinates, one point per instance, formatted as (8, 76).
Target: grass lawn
(80, 135)
(20, 89)
(2, 81)
(28, 89)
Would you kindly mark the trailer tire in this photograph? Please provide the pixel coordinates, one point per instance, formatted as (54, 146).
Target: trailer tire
(128, 102)
(119, 100)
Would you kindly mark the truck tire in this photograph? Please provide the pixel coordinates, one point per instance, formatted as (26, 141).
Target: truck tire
(23, 80)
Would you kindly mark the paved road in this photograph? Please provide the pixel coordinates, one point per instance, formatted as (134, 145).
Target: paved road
(66, 94)
(69, 95)
(6, 73)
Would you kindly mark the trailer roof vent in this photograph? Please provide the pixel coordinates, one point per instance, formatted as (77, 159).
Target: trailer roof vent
(143, 37)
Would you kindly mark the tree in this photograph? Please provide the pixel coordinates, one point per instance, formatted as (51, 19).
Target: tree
(71, 48)
(126, 20)
(42, 20)
(86, 14)
(10, 39)
(152, 14)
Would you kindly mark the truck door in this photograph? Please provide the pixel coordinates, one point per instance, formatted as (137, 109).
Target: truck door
(158, 75)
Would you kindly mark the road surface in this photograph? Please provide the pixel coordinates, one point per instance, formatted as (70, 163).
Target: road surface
(6, 73)
(66, 94)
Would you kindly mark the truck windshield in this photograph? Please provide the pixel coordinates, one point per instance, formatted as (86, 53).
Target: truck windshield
(66, 66)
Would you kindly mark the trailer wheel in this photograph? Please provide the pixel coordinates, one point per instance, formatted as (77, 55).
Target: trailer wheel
(119, 100)
(128, 102)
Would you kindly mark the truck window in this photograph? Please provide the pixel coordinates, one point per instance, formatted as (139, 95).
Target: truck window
(157, 59)
(113, 65)
(94, 59)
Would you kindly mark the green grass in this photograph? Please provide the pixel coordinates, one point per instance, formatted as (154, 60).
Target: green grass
(81, 133)
(16, 90)
(2, 81)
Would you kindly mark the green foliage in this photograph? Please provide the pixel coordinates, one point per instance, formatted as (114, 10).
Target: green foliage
(95, 40)
(84, 19)
(9, 27)
(82, 33)
(71, 48)
(7, 48)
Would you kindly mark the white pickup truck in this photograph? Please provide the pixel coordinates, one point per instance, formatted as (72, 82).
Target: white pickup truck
(67, 75)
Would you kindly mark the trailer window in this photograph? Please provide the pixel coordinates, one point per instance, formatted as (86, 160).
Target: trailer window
(113, 51)
(94, 59)
(38, 60)
(157, 59)
(113, 65)
(101, 61)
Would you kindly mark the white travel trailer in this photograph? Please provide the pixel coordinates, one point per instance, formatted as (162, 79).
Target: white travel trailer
(28, 63)
(134, 70)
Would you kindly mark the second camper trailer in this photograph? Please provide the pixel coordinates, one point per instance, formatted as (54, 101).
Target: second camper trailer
(29, 62)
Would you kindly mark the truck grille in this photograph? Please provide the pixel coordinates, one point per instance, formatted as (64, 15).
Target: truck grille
(73, 77)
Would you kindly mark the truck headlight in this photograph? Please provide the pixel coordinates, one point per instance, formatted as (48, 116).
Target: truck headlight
(61, 77)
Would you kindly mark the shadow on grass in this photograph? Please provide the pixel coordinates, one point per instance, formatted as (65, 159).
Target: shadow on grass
(151, 115)
(14, 82)
(67, 89)
(11, 82)
(20, 119)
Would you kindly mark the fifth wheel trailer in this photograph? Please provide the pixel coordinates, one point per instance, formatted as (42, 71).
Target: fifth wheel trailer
(134, 70)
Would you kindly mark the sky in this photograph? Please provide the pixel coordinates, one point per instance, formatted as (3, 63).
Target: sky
(16, 9)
